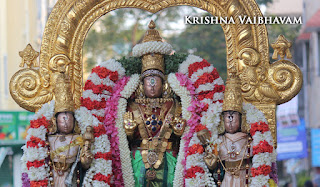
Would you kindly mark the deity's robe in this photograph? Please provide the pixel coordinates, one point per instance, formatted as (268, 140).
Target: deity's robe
(165, 173)
(240, 140)
(68, 151)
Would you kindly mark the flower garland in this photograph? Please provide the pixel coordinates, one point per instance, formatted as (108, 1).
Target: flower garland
(263, 151)
(204, 97)
(121, 165)
(97, 91)
(151, 47)
(35, 170)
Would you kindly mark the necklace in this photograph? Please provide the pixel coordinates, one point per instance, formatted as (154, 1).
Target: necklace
(232, 152)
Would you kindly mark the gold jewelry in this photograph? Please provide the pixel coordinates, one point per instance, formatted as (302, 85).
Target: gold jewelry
(232, 95)
(63, 95)
(152, 61)
(233, 153)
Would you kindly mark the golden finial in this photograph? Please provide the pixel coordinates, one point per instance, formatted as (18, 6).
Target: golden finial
(281, 47)
(29, 56)
(232, 95)
(152, 25)
(152, 34)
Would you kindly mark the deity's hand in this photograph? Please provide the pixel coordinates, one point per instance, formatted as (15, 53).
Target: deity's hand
(129, 123)
(86, 158)
(211, 160)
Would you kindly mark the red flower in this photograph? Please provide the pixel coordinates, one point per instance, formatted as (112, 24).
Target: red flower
(261, 170)
(39, 183)
(35, 163)
(39, 122)
(100, 118)
(103, 72)
(106, 156)
(191, 172)
(195, 148)
(262, 147)
(206, 78)
(196, 66)
(200, 127)
(99, 130)
(100, 177)
(90, 105)
(35, 142)
(259, 126)
(97, 89)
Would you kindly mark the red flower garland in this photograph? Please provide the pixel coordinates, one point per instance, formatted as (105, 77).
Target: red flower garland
(261, 170)
(103, 72)
(39, 122)
(195, 148)
(97, 89)
(106, 156)
(35, 163)
(262, 147)
(39, 183)
(35, 142)
(90, 105)
(191, 172)
(99, 130)
(196, 66)
(100, 177)
(206, 78)
(200, 127)
(259, 126)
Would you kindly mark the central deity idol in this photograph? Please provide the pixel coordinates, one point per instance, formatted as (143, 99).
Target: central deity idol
(153, 121)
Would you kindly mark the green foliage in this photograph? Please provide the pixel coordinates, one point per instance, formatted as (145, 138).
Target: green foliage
(132, 65)
(172, 62)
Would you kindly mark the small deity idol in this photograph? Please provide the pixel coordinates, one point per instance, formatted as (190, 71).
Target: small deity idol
(65, 143)
(235, 148)
(153, 122)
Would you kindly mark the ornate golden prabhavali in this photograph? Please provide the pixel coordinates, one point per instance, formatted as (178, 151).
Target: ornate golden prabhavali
(264, 84)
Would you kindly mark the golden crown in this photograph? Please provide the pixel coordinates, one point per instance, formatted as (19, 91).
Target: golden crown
(232, 95)
(152, 50)
(64, 98)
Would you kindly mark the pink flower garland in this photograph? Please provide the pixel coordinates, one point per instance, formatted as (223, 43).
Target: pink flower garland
(196, 108)
(112, 130)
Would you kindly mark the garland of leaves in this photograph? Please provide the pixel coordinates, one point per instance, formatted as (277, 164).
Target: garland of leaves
(132, 65)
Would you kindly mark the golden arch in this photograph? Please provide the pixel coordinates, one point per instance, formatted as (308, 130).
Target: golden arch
(263, 84)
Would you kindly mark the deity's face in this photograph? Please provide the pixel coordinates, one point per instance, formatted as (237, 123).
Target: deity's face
(152, 86)
(232, 121)
(65, 122)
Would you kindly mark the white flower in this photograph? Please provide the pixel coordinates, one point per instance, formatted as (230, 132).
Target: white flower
(183, 67)
(114, 65)
(183, 93)
(39, 132)
(131, 86)
(151, 47)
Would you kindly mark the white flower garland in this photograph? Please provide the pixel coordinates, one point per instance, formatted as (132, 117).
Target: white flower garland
(183, 93)
(254, 115)
(32, 154)
(179, 169)
(151, 47)
(183, 67)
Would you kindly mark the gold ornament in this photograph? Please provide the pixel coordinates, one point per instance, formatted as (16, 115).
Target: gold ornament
(232, 95)
(281, 47)
(247, 47)
(29, 56)
(152, 61)
(64, 98)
